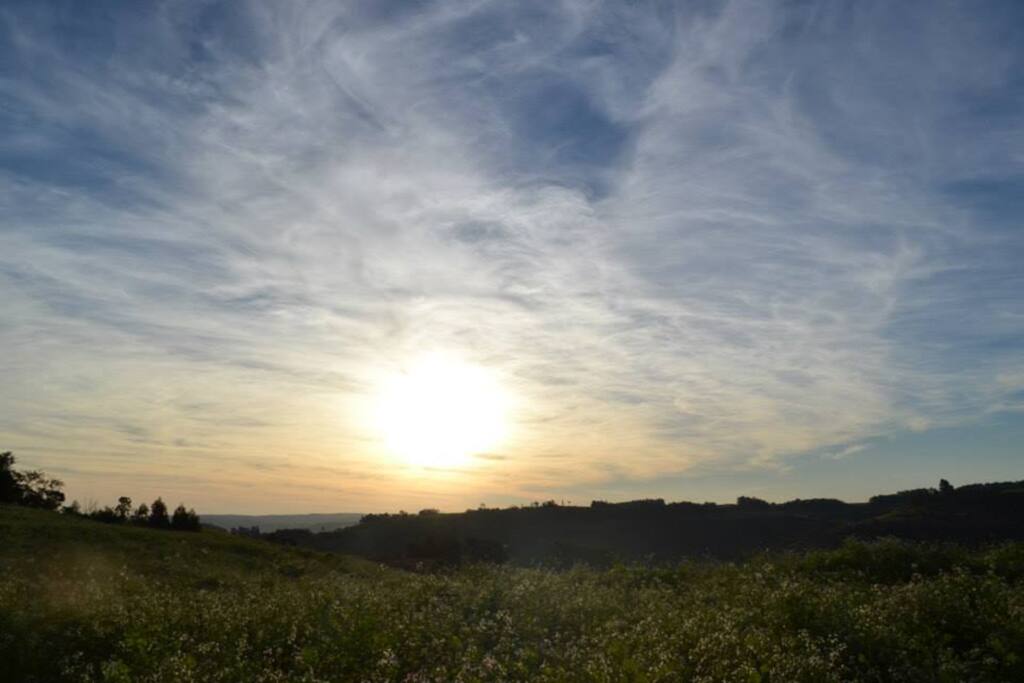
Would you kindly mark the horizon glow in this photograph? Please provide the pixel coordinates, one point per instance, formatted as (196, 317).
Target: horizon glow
(684, 250)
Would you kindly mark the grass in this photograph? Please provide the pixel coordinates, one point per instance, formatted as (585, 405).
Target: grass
(84, 601)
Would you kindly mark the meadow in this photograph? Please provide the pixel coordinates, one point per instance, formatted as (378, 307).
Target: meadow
(83, 601)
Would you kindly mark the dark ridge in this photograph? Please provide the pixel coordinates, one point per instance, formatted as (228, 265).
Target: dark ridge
(655, 531)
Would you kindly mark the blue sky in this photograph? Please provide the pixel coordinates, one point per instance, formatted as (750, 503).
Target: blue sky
(711, 248)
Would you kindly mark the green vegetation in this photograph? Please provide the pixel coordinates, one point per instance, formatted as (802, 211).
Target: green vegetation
(87, 601)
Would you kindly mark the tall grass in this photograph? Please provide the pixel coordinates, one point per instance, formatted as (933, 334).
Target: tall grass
(212, 608)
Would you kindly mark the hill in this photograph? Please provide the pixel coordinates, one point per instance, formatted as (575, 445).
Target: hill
(55, 545)
(653, 530)
(268, 523)
(84, 601)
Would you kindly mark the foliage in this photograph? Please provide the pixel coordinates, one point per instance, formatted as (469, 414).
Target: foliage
(124, 507)
(141, 514)
(31, 488)
(158, 515)
(184, 520)
(93, 602)
(9, 492)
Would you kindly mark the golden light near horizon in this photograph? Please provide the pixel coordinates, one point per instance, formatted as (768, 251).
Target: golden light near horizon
(441, 411)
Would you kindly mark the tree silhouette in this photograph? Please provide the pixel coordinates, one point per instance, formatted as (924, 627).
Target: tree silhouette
(185, 520)
(141, 515)
(40, 491)
(35, 489)
(31, 489)
(124, 507)
(158, 514)
(9, 490)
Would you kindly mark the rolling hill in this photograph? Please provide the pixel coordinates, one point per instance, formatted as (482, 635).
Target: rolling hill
(330, 521)
(86, 601)
(653, 530)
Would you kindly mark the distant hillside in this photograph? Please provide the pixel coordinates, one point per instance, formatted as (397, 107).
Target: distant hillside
(268, 523)
(654, 530)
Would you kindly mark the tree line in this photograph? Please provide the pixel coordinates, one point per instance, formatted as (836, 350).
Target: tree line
(654, 530)
(38, 490)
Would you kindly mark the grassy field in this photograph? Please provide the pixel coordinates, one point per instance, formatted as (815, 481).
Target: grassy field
(81, 600)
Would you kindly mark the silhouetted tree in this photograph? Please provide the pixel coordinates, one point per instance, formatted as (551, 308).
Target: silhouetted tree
(158, 514)
(31, 489)
(124, 507)
(752, 502)
(9, 490)
(39, 490)
(184, 520)
(945, 488)
(141, 515)
(73, 509)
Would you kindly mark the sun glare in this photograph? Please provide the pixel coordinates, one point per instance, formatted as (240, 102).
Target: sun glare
(442, 411)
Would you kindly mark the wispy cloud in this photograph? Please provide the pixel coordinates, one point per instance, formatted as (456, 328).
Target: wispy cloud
(844, 452)
(682, 236)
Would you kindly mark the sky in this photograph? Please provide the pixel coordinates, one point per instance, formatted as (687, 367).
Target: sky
(705, 249)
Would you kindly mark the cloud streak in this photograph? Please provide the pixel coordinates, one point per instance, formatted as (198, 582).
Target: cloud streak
(683, 237)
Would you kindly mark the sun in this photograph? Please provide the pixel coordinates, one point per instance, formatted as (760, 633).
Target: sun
(441, 411)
